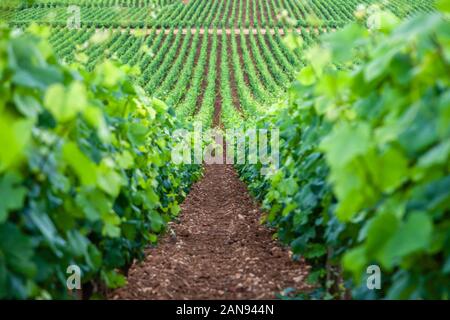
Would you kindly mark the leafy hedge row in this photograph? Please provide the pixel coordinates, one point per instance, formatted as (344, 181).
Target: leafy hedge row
(85, 173)
(365, 148)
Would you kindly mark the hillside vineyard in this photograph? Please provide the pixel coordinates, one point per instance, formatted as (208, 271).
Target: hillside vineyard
(117, 116)
(179, 47)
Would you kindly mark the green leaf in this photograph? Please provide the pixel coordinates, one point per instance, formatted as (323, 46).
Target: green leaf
(125, 159)
(355, 261)
(352, 190)
(95, 117)
(443, 5)
(85, 168)
(108, 179)
(110, 73)
(381, 228)
(129, 230)
(110, 224)
(288, 187)
(392, 170)
(387, 21)
(29, 65)
(315, 250)
(344, 41)
(380, 64)
(435, 156)
(113, 279)
(77, 243)
(446, 268)
(137, 133)
(414, 235)
(93, 203)
(27, 105)
(156, 221)
(66, 104)
(15, 135)
(45, 225)
(12, 194)
(159, 105)
(420, 26)
(288, 209)
(175, 209)
(306, 76)
(293, 41)
(346, 142)
(318, 58)
(17, 250)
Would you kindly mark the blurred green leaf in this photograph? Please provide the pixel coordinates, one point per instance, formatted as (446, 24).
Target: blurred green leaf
(12, 194)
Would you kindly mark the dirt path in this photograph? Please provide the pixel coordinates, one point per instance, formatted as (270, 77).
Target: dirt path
(220, 250)
(217, 123)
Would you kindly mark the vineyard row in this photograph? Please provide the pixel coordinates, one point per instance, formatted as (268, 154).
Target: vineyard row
(182, 68)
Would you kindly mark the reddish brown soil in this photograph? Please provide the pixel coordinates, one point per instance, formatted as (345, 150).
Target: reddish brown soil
(234, 91)
(219, 250)
(178, 49)
(164, 39)
(274, 13)
(219, 30)
(197, 54)
(241, 59)
(186, 54)
(264, 12)
(250, 13)
(218, 101)
(244, 11)
(251, 54)
(205, 77)
(259, 13)
(229, 11)
(302, 13)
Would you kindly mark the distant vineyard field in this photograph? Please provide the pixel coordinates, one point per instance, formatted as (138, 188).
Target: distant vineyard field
(321, 71)
(206, 13)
